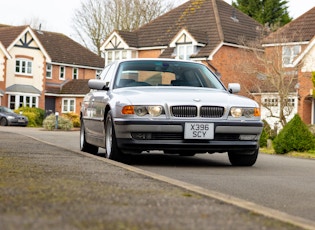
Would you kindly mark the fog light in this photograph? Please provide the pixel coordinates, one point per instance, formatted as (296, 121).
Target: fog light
(248, 137)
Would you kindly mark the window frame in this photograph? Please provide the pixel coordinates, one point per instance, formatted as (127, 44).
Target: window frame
(66, 102)
(118, 54)
(289, 53)
(49, 71)
(28, 66)
(16, 101)
(183, 52)
(62, 72)
(75, 73)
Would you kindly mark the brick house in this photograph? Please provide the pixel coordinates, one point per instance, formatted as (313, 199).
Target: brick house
(207, 31)
(296, 44)
(44, 69)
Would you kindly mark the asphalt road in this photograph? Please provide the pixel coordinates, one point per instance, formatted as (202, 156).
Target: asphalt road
(279, 185)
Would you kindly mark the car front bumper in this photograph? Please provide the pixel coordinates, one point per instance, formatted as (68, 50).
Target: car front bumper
(169, 135)
(17, 122)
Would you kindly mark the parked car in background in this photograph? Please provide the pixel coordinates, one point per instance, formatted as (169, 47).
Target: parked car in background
(9, 118)
(179, 107)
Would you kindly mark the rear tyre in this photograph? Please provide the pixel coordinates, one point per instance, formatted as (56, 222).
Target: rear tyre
(112, 150)
(241, 159)
(3, 122)
(84, 146)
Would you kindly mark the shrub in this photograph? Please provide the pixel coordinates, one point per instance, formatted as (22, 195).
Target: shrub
(265, 135)
(295, 136)
(35, 115)
(74, 118)
(63, 123)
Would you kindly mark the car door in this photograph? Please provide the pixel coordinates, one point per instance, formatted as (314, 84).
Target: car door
(98, 101)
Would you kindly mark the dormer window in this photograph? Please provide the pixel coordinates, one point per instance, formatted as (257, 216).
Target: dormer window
(289, 53)
(184, 51)
(114, 55)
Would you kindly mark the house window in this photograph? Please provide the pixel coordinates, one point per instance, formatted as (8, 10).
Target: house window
(48, 71)
(23, 66)
(184, 51)
(98, 74)
(114, 55)
(290, 102)
(62, 72)
(289, 53)
(271, 102)
(75, 73)
(17, 101)
(68, 105)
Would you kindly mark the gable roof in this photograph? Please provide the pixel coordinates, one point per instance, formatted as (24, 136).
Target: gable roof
(64, 50)
(9, 33)
(4, 51)
(299, 30)
(210, 22)
(60, 48)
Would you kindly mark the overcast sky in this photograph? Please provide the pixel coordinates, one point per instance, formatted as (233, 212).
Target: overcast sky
(57, 15)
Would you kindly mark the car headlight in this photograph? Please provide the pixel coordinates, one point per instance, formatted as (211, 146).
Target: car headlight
(10, 117)
(237, 112)
(142, 110)
(155, 111)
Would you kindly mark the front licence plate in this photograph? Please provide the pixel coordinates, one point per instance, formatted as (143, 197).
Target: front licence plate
(199, 131)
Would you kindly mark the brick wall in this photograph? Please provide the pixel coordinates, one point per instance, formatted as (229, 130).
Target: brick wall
(149, 53)
(305, 98)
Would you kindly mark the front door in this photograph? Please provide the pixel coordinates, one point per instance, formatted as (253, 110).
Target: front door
(50, 105)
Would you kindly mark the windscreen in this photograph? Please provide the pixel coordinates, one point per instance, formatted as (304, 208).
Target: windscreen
(165, 73)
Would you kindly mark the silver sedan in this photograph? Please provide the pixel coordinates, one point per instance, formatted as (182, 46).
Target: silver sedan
(178, 107)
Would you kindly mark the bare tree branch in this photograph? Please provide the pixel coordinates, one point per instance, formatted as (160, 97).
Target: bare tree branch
(96, 19)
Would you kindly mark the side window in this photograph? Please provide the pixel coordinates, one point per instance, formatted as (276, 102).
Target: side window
(104, 72)
(109, 76)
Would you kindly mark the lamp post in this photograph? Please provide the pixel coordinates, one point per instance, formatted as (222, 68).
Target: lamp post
(56, 123)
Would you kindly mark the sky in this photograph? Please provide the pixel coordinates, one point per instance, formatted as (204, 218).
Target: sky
(57, 15)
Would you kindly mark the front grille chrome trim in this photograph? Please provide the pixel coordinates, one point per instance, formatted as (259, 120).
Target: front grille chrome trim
(192, 111)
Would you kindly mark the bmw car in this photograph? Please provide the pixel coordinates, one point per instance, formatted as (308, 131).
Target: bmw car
(9, 118)
(170, 106)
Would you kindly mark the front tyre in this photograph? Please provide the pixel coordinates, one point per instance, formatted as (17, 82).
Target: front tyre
(84, 146)
(3, 121)
(241, 159)
(112, 150)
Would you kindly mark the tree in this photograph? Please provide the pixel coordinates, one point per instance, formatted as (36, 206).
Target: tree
(266, 75)
(273, 13)
(96, 19)
(295, 136)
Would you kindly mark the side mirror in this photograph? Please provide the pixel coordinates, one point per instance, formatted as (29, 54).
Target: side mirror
(234, 87)
(98, 84)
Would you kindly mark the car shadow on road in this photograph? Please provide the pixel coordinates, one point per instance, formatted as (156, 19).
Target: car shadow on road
(174, 160)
